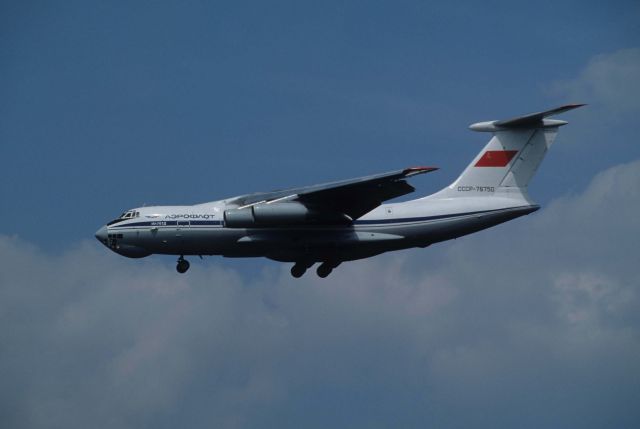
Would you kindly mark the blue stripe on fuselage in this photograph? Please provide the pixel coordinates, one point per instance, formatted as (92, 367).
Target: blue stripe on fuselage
(158, 223)
(207, 223)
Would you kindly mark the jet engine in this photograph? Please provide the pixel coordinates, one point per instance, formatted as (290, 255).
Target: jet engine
(280, 214)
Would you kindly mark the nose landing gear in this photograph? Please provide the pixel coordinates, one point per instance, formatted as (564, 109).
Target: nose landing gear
(183, 265)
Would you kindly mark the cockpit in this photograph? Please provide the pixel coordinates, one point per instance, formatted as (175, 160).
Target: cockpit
(129, 214)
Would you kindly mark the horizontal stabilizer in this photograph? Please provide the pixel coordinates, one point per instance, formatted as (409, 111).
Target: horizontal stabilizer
(532, 120)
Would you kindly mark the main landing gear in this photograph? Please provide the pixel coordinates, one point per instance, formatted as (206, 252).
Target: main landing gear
(183, 265)
(323, 270)
(300, 268)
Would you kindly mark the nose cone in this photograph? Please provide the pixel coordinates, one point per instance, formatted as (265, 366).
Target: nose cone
(101, 235)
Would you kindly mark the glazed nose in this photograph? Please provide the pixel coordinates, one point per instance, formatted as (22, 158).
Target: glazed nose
(101, 235)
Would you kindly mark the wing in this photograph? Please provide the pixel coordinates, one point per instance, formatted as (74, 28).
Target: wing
(353, 197)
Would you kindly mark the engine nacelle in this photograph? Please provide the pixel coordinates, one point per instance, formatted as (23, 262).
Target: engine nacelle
(239, 218)
(279, 214)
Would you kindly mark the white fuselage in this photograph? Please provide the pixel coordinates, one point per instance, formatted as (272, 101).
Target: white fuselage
(200, 230)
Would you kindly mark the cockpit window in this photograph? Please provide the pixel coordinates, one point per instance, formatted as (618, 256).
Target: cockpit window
(129, 214)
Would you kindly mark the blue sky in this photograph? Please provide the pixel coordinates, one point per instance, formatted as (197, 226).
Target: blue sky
(106, 106)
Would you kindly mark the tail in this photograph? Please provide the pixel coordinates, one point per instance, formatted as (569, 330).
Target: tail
(508, 162)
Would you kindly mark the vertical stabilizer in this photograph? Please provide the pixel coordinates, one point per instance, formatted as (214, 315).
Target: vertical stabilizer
(510, 159)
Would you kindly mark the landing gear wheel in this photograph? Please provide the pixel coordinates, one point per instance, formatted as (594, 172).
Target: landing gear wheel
(183, 265)
(301, 267)
(324, 270)
(298, 270)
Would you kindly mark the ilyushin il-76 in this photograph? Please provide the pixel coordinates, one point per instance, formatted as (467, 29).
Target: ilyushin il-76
(332, 223)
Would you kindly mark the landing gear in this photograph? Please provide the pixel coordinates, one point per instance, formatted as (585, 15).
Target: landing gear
(183, 265)
(300, 268)
(325, 268)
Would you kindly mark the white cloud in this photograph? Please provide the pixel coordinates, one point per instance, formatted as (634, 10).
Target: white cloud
(533, 323)
(611, 82)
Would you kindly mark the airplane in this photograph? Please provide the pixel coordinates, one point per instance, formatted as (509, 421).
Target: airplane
(332, 223)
